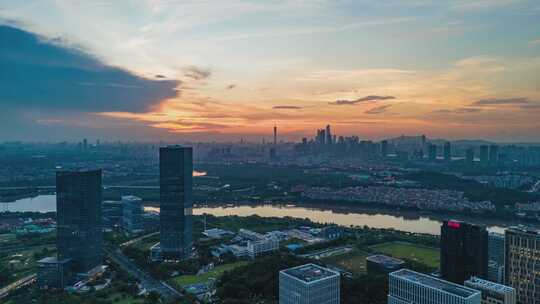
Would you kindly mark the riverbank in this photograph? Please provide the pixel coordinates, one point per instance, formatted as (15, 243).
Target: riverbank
(372, 216)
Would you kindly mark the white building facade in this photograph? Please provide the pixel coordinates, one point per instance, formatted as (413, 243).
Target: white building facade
(407, 287)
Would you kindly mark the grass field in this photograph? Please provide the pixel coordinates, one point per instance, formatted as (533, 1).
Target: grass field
(425, 255)
(354, 261)
(215, 273)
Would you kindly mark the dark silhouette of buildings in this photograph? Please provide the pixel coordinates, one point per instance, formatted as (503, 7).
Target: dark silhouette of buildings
(176, 201)
(493, 155)
(464, 251)
(384, 148)
(469, 156)
(447, 151)
(484, 155)
(275, 135)
(329, 137)
(432, 152)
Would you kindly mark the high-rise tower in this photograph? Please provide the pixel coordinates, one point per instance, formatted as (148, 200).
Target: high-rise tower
(464, 251)
(275, 135)
(176, 201)
(78, 211)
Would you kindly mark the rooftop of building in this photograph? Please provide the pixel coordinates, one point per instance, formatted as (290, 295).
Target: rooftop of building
(457, 224)
(309, 273)
(67, 171)
(432, 282)
(130, 198)
(524, 229)
(481, 283)
(384, 259)
(174, 147)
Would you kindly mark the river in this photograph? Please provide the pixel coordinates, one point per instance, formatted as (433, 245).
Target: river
(405, 221)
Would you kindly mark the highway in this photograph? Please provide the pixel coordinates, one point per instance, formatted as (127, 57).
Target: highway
(148, 282)
(17, 284)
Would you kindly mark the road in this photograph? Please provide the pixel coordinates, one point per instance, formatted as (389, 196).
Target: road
(133, 241)
(17, 284)
(535, 187)
(148, 282)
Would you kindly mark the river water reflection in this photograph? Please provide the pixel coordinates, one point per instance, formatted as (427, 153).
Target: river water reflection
(346, 216)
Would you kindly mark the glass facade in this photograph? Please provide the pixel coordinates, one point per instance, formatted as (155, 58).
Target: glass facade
(522, 266)
(132, 214)
(407, 286)
(309, 284)
(79, 228)
(464, 251)
(176, 201)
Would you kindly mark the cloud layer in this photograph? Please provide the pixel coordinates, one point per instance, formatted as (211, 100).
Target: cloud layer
(40, 73)
(341, 102)
(286, 108)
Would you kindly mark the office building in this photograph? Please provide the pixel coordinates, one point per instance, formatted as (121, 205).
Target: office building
(275, 135)
(176, 202)
(496, 247)
(133, 214)
(262, 246)
(309, 284)
(484, 155)
(495, 272)
(464, 251)
(493, 155)
(496, 257)
(331, 232)
(112, 214)
(447, 151)
(384, 148)
(492, 293)
(469, 156)
(54, 273)
(432, 152)
(382, 264)
(79, 218)
(522, 263)
(406, 287)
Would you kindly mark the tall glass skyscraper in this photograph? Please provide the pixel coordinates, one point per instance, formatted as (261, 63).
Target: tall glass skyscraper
(464, 251)
(78, 211)
(176, 201)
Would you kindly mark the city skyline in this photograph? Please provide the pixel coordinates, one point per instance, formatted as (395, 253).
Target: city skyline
(164, 70)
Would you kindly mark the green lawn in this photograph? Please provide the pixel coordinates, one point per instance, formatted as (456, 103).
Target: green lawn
(354, 261)
(215, 273)
(425, 255)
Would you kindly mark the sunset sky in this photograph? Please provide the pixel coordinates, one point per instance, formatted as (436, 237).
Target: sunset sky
(221, 70)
